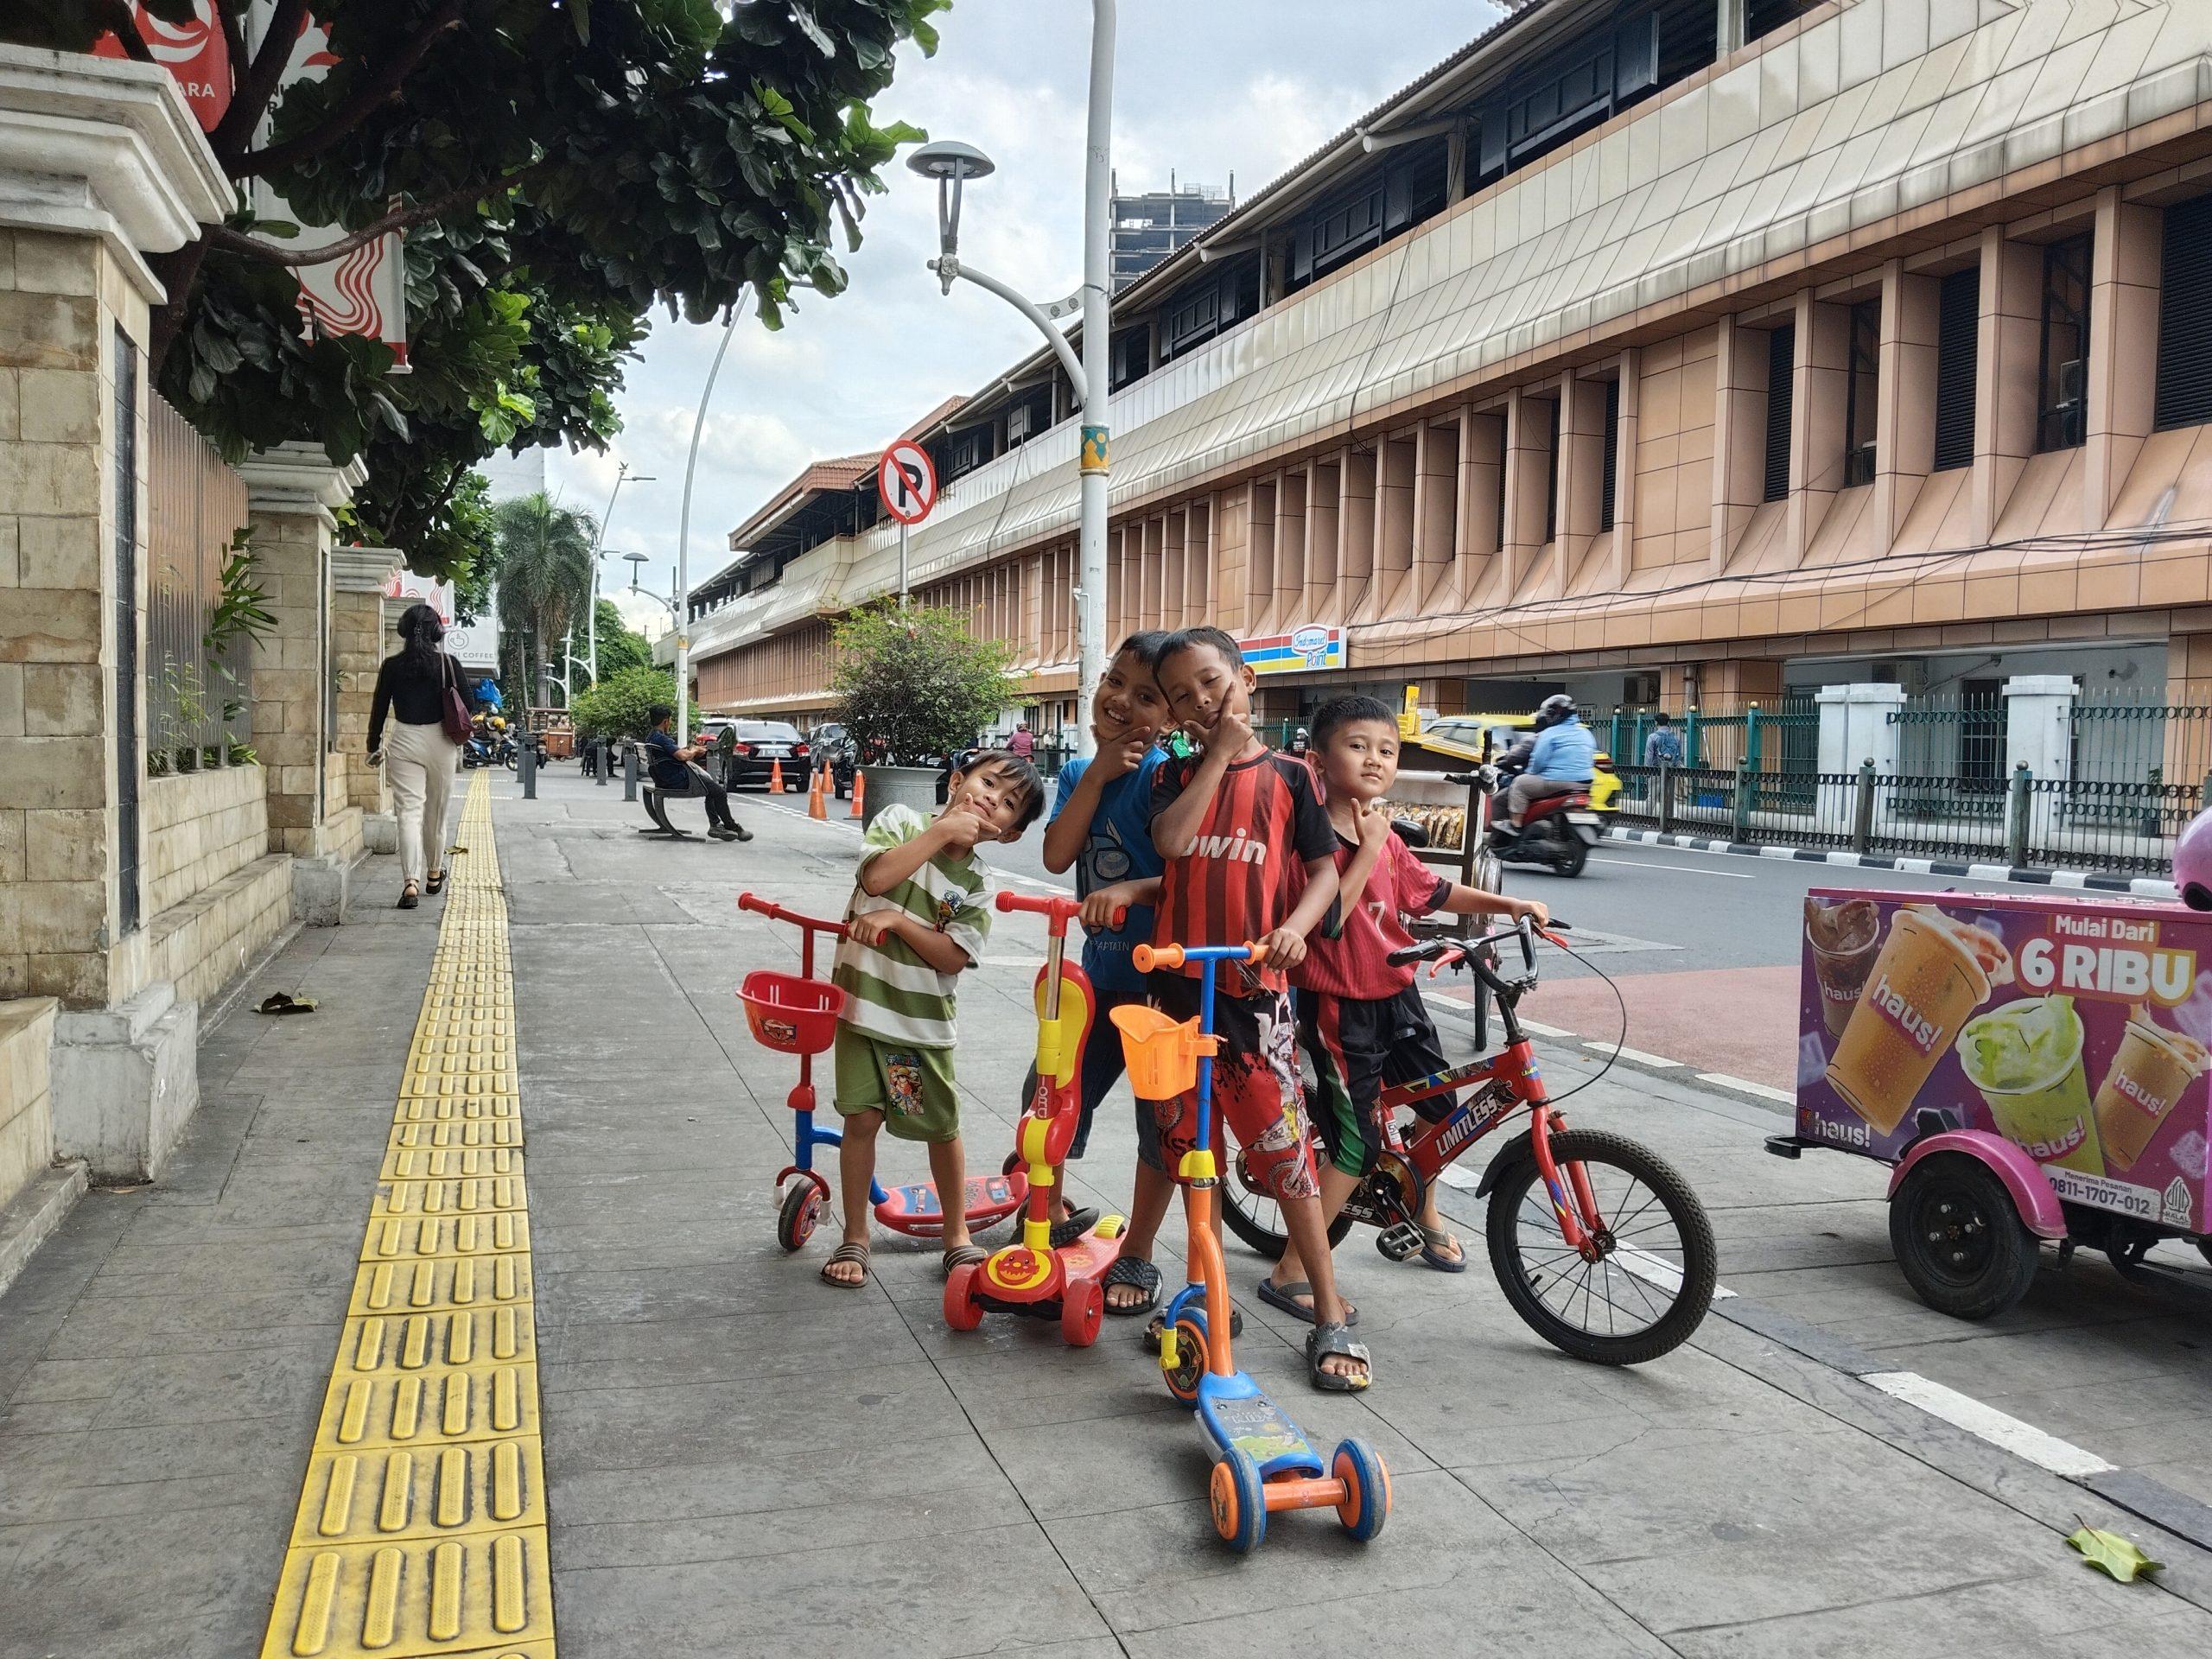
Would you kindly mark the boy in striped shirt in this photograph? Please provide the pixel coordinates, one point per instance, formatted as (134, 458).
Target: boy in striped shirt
(918, 916)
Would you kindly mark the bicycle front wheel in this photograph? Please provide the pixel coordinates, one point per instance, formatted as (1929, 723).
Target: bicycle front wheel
(1653, 1278)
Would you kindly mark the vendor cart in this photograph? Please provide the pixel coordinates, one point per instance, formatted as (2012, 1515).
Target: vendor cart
(2030, 1067)
(555, 730)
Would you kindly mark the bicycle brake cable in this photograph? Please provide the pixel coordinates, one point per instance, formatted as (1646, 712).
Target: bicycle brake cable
(1619, 1042)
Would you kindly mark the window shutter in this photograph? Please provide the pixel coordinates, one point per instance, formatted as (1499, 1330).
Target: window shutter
(1958, 350)
(1605, 480)
(1781, 393)
(2185, 317)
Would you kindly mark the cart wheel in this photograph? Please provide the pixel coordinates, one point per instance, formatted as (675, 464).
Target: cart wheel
(1240, 1501)
(1081, 1310)
(797, 1215)
(961, 1311)
(1366, 1502)
(1961, 1243)
(1189, 1358)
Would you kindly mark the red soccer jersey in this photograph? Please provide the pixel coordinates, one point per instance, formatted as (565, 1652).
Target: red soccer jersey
(1247, 863)
(1354, 962)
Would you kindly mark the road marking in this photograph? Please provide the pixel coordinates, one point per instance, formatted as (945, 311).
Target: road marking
(1465, 1180)
(1987, 1423)
(1674, 869)
(1749, 1087)
(1543, 1030)
(1658, 1062)
(1657, 1270)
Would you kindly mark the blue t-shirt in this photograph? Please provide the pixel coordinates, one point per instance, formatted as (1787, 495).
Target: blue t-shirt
(668, 771)
(1118, 849)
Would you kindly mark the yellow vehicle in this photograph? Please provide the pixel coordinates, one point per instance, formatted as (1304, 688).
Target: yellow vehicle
(1469, 740)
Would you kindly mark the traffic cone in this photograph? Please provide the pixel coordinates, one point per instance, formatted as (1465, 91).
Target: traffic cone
(775, 777)
(860, 788)
(817, 804)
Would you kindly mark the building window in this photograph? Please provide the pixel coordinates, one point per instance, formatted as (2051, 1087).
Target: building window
(1780, 394)
(1609, 466)
(1764, 16)
(1958, 355)
(1130, 354)
(2185, 317)
(2062, 379)
(1862, 393)
(1551, 477)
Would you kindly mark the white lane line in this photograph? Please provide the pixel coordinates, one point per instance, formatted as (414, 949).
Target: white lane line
(1465, 1180)
(1656, 1270)
(1543, 1030)
(1748, 1086)
(1677, 870)
(1986, 1422)
(1658, 1062)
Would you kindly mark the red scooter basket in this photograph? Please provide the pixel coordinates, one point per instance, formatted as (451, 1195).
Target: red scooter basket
(790, 1013)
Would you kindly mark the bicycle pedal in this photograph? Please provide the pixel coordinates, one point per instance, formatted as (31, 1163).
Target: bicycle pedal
(1398, 1242)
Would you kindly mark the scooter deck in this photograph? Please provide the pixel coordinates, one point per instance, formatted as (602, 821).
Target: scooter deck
(1233, 1412)
(1080, 1259)
(914, 1209)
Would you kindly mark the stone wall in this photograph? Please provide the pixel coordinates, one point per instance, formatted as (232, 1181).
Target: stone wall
(199, 828)
(26, 1109)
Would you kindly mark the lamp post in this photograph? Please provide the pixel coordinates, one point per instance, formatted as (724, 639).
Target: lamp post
(951, 165)
(622, 475)
(683, 538)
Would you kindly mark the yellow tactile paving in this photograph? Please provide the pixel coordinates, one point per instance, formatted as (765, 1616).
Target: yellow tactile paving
(421, 1525)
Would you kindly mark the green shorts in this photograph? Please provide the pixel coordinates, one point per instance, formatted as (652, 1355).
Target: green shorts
(912, 1087)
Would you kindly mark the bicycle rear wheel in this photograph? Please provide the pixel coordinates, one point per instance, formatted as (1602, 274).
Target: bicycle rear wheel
(1654, 1279)
(1257, 1218)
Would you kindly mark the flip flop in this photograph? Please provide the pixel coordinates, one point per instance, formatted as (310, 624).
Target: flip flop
(285, 1002)
(1285, 1297)
(1235, 1329)
(846, 1252)
(1133, 1270)
(1324, 1341)
(1433, 1241)
(961, 1255)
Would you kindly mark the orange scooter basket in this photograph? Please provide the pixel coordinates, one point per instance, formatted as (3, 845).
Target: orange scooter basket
(1163, 1054)
(790, 1013)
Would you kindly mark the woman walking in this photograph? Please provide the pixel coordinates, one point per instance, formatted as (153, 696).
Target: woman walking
(413, 686)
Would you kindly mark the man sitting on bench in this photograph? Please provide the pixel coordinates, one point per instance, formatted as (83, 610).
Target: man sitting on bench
(674, 769)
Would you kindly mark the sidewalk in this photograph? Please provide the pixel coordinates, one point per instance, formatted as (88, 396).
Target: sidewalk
(741, 1461)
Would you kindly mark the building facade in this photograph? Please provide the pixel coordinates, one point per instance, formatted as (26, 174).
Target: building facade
(1151, 226)
(1675, 355)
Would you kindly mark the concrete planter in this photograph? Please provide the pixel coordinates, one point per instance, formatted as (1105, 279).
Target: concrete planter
(914, 787)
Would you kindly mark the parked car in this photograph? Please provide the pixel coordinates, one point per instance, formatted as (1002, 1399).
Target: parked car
(748, 750)
(844, 761)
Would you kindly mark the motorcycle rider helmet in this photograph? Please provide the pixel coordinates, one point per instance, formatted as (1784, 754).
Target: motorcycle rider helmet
(499, 724)
(2193, 862)
(1554, 709)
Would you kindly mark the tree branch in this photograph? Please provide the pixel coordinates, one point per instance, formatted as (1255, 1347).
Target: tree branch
(123, 23)
(271, 253)
(233, 42)
(259, 84)
(379, 88)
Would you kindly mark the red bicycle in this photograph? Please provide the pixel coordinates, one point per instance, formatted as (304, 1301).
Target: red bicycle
(1597, 1241)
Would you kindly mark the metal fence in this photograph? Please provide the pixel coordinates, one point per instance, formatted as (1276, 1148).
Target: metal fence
(197, 701)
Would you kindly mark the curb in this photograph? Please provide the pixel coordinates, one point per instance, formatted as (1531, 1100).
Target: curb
(2139, 886)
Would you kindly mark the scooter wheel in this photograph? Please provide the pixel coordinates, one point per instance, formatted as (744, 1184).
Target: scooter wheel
(961, 1311)
(1189, 1358)
(1081, 1313)
(797, 1215)
(1366, 1502)
(1240, 1501)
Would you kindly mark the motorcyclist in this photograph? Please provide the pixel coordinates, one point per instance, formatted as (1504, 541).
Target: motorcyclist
(1557, 760)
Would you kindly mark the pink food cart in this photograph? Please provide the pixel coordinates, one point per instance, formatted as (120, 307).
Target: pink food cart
(2031, 1066)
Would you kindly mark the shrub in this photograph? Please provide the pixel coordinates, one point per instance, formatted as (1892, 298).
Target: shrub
(915, 684)
(616, 707)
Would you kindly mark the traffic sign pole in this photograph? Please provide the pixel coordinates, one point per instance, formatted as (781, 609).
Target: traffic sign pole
(902, 564)
(905, 479)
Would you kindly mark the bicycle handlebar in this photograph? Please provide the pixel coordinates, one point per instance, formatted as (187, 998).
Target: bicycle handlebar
(1427, 949)
(1146, 958)
(776, 913)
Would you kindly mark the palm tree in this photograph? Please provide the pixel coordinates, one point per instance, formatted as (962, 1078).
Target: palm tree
(544, 572)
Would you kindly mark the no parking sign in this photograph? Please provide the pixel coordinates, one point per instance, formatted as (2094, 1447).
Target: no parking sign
(906, 481)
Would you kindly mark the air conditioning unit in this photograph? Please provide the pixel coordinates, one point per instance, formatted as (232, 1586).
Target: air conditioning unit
(1909, 672)
(1640, 690)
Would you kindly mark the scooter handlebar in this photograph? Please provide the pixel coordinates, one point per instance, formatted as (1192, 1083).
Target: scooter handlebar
(1149, 956)
(776, 913)
(1054, 905)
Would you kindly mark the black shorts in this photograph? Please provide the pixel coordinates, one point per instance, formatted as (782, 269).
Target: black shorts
(1357, 1049)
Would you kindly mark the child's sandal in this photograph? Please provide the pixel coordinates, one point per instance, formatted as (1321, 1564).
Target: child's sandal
(838, 1257)
(963, 1255)
(1334, 1341)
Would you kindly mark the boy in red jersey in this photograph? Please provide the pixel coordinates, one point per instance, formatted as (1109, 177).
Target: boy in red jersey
(1362, 1019)
(1250, 856)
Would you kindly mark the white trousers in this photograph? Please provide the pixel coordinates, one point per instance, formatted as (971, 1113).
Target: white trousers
(420, 762)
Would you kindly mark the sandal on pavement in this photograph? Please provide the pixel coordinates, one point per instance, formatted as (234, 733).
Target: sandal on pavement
(1334, 1341)
(1074, 1225)
(408, 897)
(962, 1256)
(1151, 1332)
(436, 882)
(1285, 1297)
(838, 1257)
(1135, 1271)
(1435, 1242)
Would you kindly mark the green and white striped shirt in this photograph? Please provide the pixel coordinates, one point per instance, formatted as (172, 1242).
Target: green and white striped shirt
(890, 992)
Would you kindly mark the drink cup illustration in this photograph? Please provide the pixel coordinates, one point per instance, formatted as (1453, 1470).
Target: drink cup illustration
(2148, 1075)
(1844, 937)
(2025, 1058)
(1931, 975)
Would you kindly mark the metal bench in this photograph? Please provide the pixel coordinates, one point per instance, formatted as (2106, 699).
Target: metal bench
(654, 795)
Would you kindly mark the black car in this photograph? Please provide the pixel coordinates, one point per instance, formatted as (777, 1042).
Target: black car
(844, 759)
(745, 751)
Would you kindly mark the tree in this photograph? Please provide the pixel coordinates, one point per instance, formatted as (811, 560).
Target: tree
(914, 684)
(618, 705)
(541, 559)
(559, 170)
(620, 647)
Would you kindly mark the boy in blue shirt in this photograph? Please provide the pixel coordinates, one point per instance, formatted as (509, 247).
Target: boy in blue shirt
(1101, 827)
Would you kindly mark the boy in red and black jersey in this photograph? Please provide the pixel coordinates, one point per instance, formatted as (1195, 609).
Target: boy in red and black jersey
(1250, 856)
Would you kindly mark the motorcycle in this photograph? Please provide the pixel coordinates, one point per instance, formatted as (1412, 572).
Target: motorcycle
(1557, 834)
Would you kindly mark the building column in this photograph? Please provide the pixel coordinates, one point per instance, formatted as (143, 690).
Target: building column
(360, 641)
(2123, 387)
(2008, 348)
(1904, 425)
(1739, 394)
(1855, 727)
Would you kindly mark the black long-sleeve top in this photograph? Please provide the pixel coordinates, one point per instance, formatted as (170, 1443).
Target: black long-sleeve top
(413, 693)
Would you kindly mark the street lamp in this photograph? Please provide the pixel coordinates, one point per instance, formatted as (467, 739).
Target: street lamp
(622, 475)
(951, 165)
(683, 537)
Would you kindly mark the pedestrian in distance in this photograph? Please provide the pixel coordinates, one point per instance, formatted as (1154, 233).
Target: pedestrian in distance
(1023, 743)
(918, 918)
(672, 767)
(1663, 747)
(412, 686)
(1100, 827)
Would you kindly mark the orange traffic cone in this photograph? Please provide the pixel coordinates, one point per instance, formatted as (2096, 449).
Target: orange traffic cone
(775, 777)
(860, 788)
(817, 804)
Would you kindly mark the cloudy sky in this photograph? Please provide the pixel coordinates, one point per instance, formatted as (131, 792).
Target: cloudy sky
(1207, 88)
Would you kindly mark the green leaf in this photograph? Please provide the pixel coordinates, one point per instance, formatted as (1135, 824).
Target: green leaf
(2113, 1554)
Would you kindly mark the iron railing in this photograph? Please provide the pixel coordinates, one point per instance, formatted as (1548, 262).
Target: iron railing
(198, 701)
